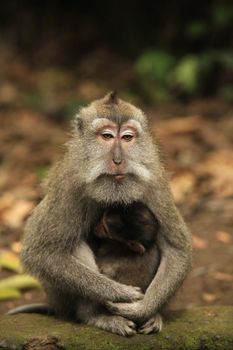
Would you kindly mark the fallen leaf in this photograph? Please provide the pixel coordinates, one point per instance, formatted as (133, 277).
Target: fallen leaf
(179, 125)
(9, 293)
(16, 247)
(199, 271)
(28, 296)
(89, 90)
(199, 243)
(10, 261)
(223, 237)
(6, 201)
(8, 93)
(182, 185)
(19, 282)
(218, 169)
(208, 297)
(209, 313)
(222, 276)
(15, 215)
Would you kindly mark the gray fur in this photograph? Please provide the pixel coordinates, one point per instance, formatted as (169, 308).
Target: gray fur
(70, 209)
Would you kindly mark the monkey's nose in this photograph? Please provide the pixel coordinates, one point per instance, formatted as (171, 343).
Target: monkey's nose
(117, 161)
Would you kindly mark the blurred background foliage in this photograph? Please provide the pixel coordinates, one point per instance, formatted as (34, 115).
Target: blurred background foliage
(160, 50)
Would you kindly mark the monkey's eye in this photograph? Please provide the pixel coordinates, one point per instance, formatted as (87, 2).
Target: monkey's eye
(107, 135)
(127, 137)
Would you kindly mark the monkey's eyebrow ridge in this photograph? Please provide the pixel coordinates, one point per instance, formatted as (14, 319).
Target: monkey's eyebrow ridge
(101, 122)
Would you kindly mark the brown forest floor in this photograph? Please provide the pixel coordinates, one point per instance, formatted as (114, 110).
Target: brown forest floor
(197, 143)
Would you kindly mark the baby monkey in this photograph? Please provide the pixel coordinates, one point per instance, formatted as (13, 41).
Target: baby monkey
(129, 233)
(124, 225)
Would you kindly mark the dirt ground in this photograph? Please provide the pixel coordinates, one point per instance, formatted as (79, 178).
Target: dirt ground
(196, 139)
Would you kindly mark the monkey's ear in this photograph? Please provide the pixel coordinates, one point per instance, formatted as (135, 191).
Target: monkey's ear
(111, 97)
(77, 122)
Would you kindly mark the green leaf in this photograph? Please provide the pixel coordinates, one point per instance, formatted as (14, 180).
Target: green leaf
(9, 293)
(187, 73)
(208, 60)
(222, 15)
(226, 92)
(197, 29)
(73, 107)
(226, 59)
(32, 99)
(10, 261)
(19, 282)
(154, 65)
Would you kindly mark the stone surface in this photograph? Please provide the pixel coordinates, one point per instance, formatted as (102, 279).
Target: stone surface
(201, 328)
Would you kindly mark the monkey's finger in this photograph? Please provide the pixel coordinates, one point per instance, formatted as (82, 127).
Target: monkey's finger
(130, 329)
(128, 294)
(149, 330)
(117, 306)
(130, 332)
(154, 325)
(131, 324)
(124, 327)
(138, 297)
(137, 294)
(139, 291)
(147, 324)
(112, 307)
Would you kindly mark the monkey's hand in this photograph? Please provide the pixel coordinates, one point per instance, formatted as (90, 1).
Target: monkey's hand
(135, 311)
(130, 294)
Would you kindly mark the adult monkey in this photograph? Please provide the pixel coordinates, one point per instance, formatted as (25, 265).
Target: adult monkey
(110, 159)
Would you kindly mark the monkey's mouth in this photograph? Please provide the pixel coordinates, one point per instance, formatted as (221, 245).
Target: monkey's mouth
(118, 177)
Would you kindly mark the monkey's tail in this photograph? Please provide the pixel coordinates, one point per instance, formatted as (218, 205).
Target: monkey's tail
(32, 308)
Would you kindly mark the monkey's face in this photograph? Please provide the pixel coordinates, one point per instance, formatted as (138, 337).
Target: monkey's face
(117, 156)
(118, 141)
(116, 146)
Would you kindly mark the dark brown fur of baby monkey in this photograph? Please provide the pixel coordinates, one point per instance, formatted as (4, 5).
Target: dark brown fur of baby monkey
(127, 251)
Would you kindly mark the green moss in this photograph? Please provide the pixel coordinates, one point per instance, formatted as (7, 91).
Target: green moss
(198, 329)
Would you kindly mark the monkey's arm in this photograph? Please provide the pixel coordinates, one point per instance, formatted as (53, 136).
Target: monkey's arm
(174, 243)
(51, 236)
(172, 270)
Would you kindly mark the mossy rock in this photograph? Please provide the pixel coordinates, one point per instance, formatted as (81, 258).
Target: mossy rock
(198, 329)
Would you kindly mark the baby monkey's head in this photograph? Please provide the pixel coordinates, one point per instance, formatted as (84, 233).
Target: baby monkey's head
(133, 225)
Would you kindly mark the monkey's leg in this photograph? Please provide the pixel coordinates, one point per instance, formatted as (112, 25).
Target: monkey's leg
(153, 325)
(62, 304)
(97, 316)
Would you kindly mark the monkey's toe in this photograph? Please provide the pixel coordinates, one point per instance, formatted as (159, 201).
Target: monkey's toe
(124, 327)
(153, 325)
(114, 324)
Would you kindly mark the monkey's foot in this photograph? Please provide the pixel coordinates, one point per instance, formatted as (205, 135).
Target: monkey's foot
(154, 325)
(114, 324)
